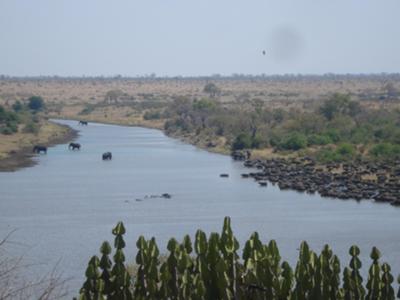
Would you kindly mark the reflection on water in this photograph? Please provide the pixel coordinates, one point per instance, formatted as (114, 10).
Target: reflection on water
(65, 206)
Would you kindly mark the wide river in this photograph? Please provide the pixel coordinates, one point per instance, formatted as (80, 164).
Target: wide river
(66, 205)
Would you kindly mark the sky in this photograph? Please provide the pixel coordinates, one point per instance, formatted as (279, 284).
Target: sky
(198, 37)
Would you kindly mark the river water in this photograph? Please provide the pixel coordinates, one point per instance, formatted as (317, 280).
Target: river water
(66, 205)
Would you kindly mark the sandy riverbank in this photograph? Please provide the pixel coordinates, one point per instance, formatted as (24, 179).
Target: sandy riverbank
(16, 150)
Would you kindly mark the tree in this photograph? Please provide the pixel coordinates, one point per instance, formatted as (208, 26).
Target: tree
(35, 103)
(242, 141)
(391, 90)
(211, 89)
(294, 141)
(17, 106)
(113, 96)
(339, 104)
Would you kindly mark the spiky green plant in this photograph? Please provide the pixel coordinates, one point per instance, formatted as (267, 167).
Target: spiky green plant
(211, 269)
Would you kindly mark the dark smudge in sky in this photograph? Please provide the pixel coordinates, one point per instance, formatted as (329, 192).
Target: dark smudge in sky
(285, 43)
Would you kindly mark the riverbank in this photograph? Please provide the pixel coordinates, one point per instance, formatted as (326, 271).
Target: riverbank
(16, 149)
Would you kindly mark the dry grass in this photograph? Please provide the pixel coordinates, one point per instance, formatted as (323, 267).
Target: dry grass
(282, 91)
(122, 115)
(12, 143)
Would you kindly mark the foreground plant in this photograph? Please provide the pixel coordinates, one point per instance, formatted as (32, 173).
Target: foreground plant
(211, 269)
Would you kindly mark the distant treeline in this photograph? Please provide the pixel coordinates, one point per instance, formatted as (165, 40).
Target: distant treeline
(277, 77)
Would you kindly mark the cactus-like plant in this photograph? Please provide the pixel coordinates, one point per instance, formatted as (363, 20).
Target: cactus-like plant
(356, 288)
(120, 277)
(211, 269)
(374, 276)
(93, 286)
(106, 265)
(387, 291)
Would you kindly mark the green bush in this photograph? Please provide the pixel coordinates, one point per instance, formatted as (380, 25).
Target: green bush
(385, 150)
(319, 139)
(35, 103)
(339, 104)
(211, 268)
(345, 150)
(257, 142)
(6, 130)
(17, 106)
(333, 134)
(152, 115)
(294, 141)
(242, 141)
(328, 155)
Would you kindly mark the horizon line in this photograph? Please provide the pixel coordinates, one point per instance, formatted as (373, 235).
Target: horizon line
(213, 76)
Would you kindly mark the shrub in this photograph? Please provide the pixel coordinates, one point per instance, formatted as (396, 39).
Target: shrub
(257, 142)
(6, 130)
(36, 103)
(319, 139)
(339, 104)
(345, 150)
(294, 141)
(17, 106)
(242, 141)
(333, 134)
(211, 89)
(385, 150)
(152, 115)
(328, 155)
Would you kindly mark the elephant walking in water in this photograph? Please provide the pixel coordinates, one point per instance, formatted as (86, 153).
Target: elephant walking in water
(107, 156)
(74, 146)
(38, 149)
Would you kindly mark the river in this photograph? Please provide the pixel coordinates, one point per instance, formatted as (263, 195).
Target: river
(67, 204)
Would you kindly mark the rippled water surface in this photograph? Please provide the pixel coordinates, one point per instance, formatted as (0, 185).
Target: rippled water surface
(66, 205)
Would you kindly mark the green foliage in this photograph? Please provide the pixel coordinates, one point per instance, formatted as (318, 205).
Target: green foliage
(343, 152)
(339, 104)
(211, 269)
(17, 106)
(35, 103)
(294, 141)
(9, 121)
(253, 125)
(319, 139)
(211, 89)
(152, 115)
(242, 141)
(204, 105)
(114, 281)
(385, 150)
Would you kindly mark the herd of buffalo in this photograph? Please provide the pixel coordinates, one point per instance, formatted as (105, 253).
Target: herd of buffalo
(358, 180)
(72, 146)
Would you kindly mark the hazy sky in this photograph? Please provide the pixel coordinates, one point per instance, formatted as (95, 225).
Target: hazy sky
(202, 37)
